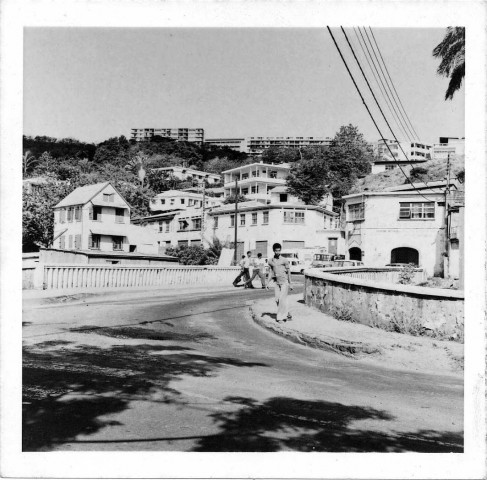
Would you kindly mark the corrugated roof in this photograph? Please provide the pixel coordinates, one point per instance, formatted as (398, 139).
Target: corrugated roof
(82, 195)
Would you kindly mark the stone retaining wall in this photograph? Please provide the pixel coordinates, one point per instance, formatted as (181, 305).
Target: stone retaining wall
(384, 304)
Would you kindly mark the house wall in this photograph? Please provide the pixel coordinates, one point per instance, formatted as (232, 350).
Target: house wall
(312, 232)
(381, 231)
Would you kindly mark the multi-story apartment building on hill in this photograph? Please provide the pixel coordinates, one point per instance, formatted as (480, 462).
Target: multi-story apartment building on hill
(181, 200)
(256, 145)
(403, 153)
(196, 135)
(184, 173)
(238, 144)
(256, 180)
(448, 145)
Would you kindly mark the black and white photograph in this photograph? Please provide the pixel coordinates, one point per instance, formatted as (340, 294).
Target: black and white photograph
(245, 238)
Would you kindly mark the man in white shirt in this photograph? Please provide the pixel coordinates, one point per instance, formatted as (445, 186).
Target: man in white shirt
(259, 270)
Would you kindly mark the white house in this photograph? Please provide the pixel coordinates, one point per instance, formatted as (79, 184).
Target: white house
(282, 218)
(181, 200)
(96, 217)
(185, 173)
(400, 225)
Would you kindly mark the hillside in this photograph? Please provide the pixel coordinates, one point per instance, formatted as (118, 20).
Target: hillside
(435, 171)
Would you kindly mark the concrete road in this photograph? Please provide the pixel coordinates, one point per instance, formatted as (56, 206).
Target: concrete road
(192, 372)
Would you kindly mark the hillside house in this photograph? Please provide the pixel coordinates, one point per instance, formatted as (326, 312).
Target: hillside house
(97, 218)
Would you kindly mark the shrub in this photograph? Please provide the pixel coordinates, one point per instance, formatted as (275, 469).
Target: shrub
(407, 274)
(343, 313)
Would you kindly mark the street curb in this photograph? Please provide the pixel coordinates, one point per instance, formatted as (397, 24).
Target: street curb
(349, 349)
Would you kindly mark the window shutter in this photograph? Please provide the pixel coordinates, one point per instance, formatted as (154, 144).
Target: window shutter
(62, 215)
(70, 241)
(77, 213)
(90, 241)
(91, 215)
(62, 242)
(77, 242)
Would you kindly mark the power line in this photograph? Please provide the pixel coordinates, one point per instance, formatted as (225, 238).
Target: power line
(392, 83)
(370, 114)
(380, 109)
(395, 114)
(381, 88)
(398, 112)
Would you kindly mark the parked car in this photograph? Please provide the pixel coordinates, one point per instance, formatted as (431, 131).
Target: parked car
(348, 263)
(322, 260)
(400, 265)
(297, 266)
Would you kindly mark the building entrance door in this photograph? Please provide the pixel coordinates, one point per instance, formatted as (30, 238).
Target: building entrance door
(405, 255)
(355, 253)
(332, 246)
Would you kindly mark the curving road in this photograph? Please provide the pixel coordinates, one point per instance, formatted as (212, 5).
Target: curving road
(192, 372)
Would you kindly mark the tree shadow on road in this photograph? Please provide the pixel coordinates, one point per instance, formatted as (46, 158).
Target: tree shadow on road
(283, 423)
(67, 388)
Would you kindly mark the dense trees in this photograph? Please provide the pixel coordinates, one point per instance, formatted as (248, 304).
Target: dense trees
(331, 169)
(68, 164)
(451, 50)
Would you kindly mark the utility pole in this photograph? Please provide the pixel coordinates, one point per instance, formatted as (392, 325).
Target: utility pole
(235, 224)
(203, 215)
(446, 259)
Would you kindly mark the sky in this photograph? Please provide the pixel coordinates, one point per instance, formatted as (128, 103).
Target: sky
(95, 83)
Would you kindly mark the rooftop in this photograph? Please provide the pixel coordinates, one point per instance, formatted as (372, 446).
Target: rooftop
(82, 195)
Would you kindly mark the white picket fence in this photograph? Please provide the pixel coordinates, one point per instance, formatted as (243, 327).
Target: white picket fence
(112, 276)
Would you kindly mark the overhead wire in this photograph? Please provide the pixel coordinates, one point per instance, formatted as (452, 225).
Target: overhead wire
(381, 88)
(370, 113)
(395, 114)
(408, 131)
(392, 83)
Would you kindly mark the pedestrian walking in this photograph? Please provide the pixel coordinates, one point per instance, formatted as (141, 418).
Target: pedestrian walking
(242, 272)
(259, 271)
(281, 276)
(246, 266)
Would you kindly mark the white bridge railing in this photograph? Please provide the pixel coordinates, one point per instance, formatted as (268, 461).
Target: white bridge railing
(111, 276)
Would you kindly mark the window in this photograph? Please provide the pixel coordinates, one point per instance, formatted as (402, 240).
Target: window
(95, 214)
(172, 201)
(163, 201)
(390, 167)
(254, 189)
(77, 242)
(108, 197)
(245, 176)
(283, 197)
(62, 215)
(182, 243)
(416, 210)
(94, 242)
(77, 214)
(273, 174)
(70, 241)
(356, 211)
(160, 226)
(182, 201)
(254, 218)
(196, 223)
(215, 222)
(70, 214)
(232, 220)
(119, 215)
(117, 243)
(183, 225)
(245, 191)
(265, 220)
(292, 216)
(242, 219)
